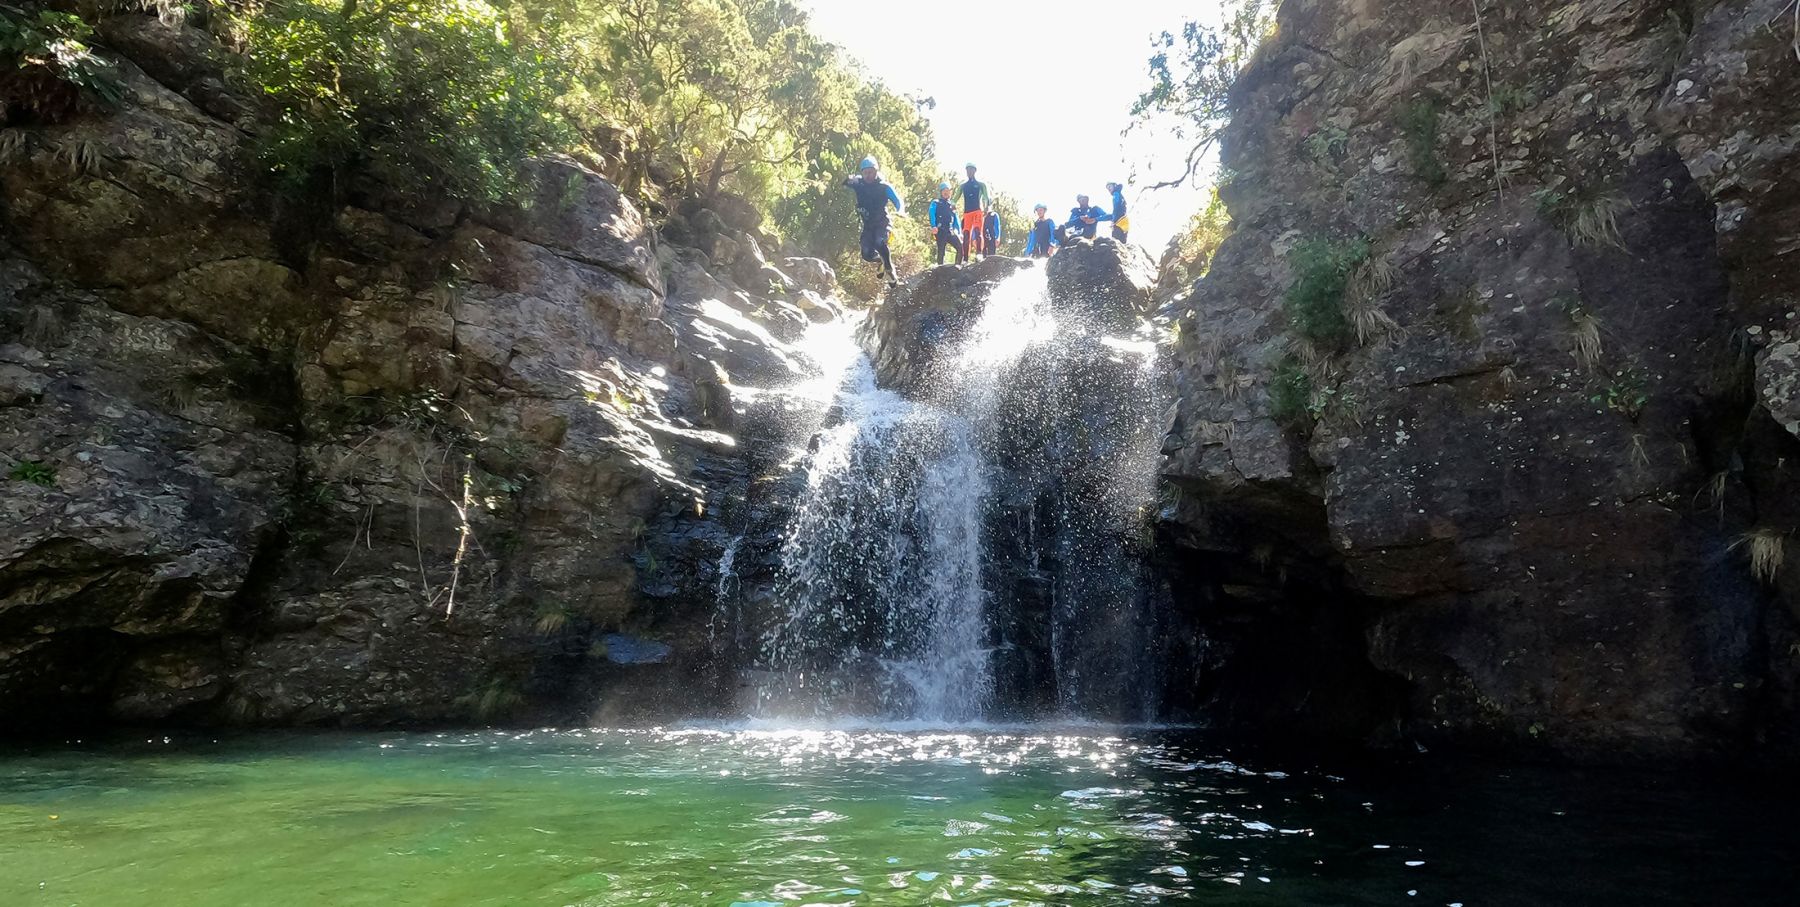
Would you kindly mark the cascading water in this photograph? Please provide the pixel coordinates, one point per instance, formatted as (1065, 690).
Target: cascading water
(898, 594)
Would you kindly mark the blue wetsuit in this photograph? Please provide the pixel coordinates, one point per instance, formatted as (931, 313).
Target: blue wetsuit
(1041, 237)
(945, 222)
(1121, 223)
(1087, 231)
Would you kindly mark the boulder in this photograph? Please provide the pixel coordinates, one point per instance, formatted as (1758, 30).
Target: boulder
(926, 317)
(1102, 282)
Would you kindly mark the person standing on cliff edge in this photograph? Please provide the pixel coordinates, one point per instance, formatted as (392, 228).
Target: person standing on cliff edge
(872, 199)
(1121, 222)
(945, 224)
(976, 201)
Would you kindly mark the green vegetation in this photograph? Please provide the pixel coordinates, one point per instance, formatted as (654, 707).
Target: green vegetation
(1327, 143)
(47, 69)
(1419, 127)
(1290, 393)
(1191, 79)
(431, 94)
(1315, 300)
(35, 472)
(1190, 253)
(1625, 393)
(448, 98)
(1509, 99)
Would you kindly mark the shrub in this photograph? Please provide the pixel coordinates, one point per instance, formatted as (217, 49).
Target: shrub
(35, 472)
(1315, 301)
(1290, 393)
(432, 94)
(47, 70)
(1419, 126)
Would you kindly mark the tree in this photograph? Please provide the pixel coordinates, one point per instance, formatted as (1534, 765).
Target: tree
(1191, 82)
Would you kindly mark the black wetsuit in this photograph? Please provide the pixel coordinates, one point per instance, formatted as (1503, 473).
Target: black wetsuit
(872, 198)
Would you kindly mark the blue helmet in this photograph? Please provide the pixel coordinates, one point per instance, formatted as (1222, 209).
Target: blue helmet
(868, 163)
(1040, 206)
(944, 186)
(969, 166)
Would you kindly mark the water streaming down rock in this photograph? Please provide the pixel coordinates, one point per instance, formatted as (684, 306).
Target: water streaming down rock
(971, 549)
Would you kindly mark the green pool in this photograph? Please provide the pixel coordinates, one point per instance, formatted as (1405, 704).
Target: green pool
(704, 817)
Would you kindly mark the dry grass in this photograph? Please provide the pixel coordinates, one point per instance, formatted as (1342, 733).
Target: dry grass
(1767, 549)
(551, 619)
(1714, 489)
(1368, 283)
(44, 327)
(1640, 455)
(82, 158)
(1595, 221)
(180, 395)
(13, 143)
(1584, 334)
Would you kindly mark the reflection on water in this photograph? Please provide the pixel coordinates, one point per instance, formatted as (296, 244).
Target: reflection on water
(717, 817)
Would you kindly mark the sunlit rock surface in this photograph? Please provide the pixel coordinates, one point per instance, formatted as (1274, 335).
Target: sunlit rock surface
(388, 463)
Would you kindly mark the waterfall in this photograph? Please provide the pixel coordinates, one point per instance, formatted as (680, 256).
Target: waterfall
(899, 588)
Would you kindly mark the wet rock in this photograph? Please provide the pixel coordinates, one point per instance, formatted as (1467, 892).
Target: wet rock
(1103, 282)
(926, 316)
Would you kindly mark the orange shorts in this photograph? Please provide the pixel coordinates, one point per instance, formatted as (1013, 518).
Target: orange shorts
(973, 220)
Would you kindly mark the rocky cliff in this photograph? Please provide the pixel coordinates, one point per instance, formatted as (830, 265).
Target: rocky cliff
(364, 458)
(1485, 420)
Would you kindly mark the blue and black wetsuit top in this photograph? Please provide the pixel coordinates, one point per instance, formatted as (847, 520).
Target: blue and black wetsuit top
(1088, 231)
(872, 197)
(975, 196)
(1041, 237)
(943, 214)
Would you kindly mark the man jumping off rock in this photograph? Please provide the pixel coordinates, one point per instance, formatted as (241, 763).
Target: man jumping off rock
(872, 199)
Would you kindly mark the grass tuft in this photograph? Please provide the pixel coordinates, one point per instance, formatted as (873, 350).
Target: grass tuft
(1419, 127)
(1588, 219)
(1767, 549)
(1584, 332)
(1368, 283)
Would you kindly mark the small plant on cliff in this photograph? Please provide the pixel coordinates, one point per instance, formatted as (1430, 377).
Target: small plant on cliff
(1626, 393)
(47, 69)
(1362, 299)
(1584, 331)
(1587, 218)
(1767, 549)
(34, 472)
(1419, 127)
(1315, 301)
(1290, 393)
(1327, 143)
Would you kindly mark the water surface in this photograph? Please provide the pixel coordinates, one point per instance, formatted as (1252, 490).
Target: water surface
(702, 817)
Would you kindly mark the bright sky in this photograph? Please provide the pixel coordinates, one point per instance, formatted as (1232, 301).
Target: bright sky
(1036, 94)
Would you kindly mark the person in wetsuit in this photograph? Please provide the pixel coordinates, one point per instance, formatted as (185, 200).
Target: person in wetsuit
(945, 224)
(872, 199)
(1120, 221)
(991, 229)
(1040, 240)
(976, 201)
(1084, 219)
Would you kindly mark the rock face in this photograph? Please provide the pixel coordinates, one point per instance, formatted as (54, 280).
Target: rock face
(1520, 487)
(401, 462)
(927, 317)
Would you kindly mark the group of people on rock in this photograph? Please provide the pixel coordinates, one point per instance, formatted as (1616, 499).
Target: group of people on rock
(975, 230)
